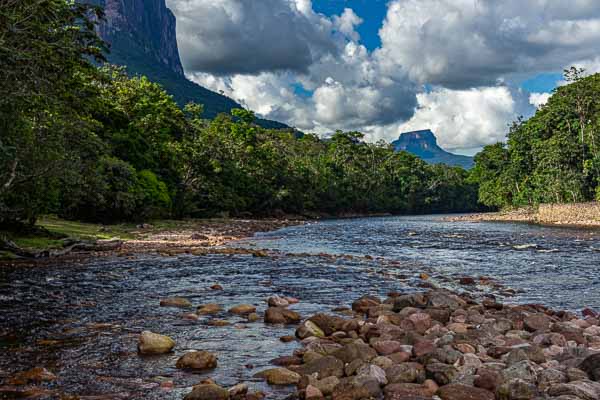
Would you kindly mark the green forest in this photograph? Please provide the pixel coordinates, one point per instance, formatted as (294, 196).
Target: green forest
(553, 157)
(85, 141)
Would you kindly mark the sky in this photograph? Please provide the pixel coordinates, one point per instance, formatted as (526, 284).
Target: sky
(463, 68)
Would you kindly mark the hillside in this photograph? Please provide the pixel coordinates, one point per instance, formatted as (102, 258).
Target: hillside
(424, 145)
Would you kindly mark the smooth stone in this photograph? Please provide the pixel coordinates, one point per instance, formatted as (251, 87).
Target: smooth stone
(281, 315)
(279, 376)
(457, 391)
(178, 302)
(208, 309)
(153, 343)
(207, 392)
(197, 360)
(242, 309)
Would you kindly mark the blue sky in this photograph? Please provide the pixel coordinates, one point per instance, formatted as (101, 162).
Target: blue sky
(371, 11)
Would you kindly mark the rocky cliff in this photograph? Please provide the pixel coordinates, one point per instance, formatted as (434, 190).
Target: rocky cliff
(424, 145)
(141, 28)
(142, 36)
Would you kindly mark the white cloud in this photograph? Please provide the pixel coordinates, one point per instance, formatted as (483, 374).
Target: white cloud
(466, 43)
(463, 119)
(539, 99)
(238, 36)
(260, 52)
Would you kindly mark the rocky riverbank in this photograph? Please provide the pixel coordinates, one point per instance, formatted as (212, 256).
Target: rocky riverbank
(434, 345)
(165, 238)
(575, 215)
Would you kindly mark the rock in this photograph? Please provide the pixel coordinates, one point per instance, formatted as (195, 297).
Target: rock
(575, 374)
(198, 236)
(591, 366)
(374, 372)
(209, 309)
(330, 324)
(405, 391)
(405, 373)
(421, 322)
(279, 376)
(516, 389)
(207, 392)
(387, 347)
(308, 329)
(197, 360)
(313, 393)
(524, 370)
(444, 299)
(178, 302)
(456, 391)
(400, 357)
(286, 361)
(281, 315)
(537, 322)
(287, 339)
(238, 391)
(326, 385)
(253, 317)
(488, 379)
(153, 343)
(35, 375)
(349, 390)
(549, 377)
(323, 367)
(416, 300)
(465, 348)
(423, 347)
(363, 304)
(382, 361)
(216, 287)
(276, 301)
(242, 309)
(442, 374)
(354, 351)
(584, 390)
(218, 322)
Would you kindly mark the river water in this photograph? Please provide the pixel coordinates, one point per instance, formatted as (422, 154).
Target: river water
(81, 321)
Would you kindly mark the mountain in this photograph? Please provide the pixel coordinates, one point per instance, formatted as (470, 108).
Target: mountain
(424, 145)
(142, 36)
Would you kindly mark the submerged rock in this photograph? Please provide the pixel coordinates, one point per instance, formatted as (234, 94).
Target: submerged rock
(178, 302)
(242, 309)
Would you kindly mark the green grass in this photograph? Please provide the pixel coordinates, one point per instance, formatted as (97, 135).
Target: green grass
(85, 231)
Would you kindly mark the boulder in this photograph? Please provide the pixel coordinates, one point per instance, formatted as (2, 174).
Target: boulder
(207, 392)
(591, 365)
(516, 389)
(309, 329)
(281, 315)
(363, 304)
(276, 301)
(323, 367)
(442, 374)
(370, 371)
(312, 393)
(537, 322)
(402, 391)
(209, 309)
(178, 302)
(457, 391)
(197, 360)
(242, 309)
(405, 373)
(387, 347)
(279, 376)
(354, 351)
(349, 390)
(584, 390)
(153, 343)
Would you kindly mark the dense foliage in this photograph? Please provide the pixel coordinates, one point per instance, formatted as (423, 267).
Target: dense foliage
(554, 157)
(93, 144)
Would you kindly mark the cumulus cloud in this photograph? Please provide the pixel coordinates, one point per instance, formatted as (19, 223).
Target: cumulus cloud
(466, 119)
(539, 99)
(467, 43)
(286, 62)
(238, 36)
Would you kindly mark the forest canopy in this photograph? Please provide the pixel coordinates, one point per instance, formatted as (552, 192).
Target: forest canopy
(553, 157)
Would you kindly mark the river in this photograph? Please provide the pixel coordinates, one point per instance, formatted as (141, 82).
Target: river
(81, 321)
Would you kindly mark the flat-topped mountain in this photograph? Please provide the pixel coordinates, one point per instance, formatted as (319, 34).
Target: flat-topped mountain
(424, 145)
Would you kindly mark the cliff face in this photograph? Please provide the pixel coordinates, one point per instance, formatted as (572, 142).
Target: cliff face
(424, 145)
(141, 28)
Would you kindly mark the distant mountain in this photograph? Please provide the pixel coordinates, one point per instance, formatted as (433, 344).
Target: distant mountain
(424, 145)
(142, 37)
